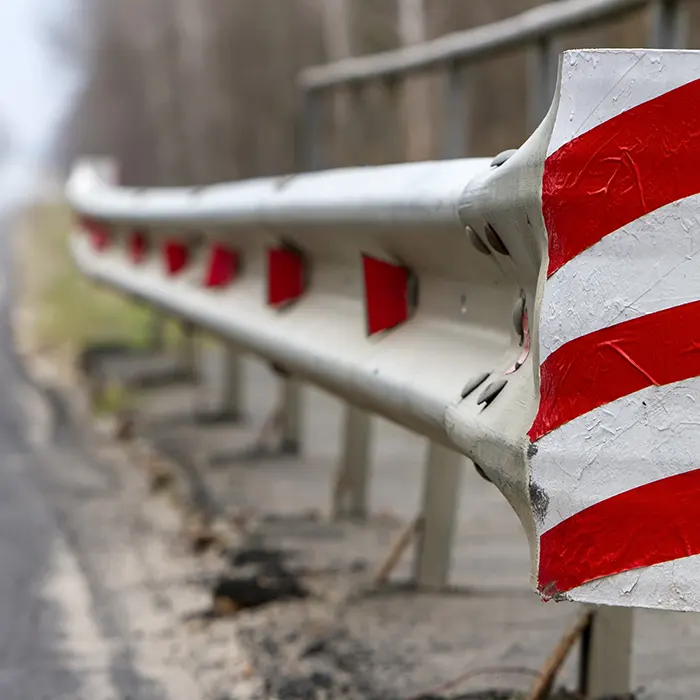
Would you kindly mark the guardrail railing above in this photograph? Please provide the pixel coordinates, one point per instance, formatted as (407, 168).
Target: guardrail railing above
(535, 312)
(529, 27)
(538, 27)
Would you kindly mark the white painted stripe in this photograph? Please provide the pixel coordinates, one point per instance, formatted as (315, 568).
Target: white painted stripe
(671, 585)
(647, 266)
(597, 85)
(640, 438)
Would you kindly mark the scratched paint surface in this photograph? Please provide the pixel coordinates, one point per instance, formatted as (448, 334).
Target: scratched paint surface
(616, 443)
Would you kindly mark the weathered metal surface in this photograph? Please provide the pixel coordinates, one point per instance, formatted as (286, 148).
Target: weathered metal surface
(592, 222)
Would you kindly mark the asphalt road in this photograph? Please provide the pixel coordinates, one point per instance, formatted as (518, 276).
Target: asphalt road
(67, 629)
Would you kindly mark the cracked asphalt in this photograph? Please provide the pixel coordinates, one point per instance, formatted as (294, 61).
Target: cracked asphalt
(84, 607)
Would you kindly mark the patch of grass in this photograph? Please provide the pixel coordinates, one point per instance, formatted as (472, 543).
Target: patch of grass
(68, 309)
(115, 398)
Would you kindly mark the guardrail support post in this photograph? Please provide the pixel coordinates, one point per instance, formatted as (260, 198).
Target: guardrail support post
(187, 352)
(232, 386)
(443, 475)
(606, 653)
(291, 416)
(156, 332)
(667, 29)
(455, 114)
(311, 131)
(541, 82)
(350, 492)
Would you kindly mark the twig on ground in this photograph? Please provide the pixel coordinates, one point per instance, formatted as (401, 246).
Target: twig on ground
(468, 675)
(543, 684)
(393, 557)
(271, 425)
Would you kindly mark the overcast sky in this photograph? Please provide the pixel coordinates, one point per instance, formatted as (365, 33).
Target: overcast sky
(34, 86)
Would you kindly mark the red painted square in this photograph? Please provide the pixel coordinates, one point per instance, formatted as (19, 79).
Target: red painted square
(285, 275)
(386, 294)
(138, 246)
(223, 266)
(99, 234)
(176, 257)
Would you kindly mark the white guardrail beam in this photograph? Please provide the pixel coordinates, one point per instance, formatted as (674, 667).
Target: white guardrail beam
(537, 314)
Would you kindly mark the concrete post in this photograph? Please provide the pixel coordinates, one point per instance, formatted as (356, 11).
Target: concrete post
(351, 487)
(231, 406)
(606, 653)
(456, 114)
(156, 332)
(187, 351)
(312, 156)
(443, 476)
(542, 81)
(668, 28)
(292, 424)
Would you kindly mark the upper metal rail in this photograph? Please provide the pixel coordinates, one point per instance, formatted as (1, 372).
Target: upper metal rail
(416, 194)
(520, 30)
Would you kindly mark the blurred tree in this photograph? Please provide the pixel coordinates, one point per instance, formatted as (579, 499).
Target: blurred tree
(195, 91)
(188, 91)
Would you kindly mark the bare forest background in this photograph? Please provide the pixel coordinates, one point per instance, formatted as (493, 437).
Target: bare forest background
(197, 91)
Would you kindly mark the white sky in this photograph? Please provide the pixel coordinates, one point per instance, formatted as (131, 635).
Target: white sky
(34, 86)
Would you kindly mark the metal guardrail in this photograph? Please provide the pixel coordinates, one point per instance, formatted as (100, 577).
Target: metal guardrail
(534, 313)
(406, 290)
(538, 27)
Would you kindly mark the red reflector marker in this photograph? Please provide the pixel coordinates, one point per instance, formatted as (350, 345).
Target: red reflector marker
(285, 275)
(176, 257)
(387, 302)
(138, 246)
(223, 266)
(99, 234)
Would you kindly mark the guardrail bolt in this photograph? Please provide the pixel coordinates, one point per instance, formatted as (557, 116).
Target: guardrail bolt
(472, 384)
(502, 157)
(491, 392)
(518, 312)
(476, 241)
(495, 240)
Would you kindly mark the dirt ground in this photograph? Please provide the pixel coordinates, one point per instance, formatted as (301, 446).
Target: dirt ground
(182, 525)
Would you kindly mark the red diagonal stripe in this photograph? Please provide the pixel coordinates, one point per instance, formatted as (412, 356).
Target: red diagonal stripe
(386, 294)
(634, 163)
(603, 366)
(644, 526)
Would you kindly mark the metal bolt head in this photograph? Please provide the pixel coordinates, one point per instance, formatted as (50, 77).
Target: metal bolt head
(474, 383)
(476, 241)
(518, 311)
(481, 473)
(502, 157)
(495, 240)
(491, 391)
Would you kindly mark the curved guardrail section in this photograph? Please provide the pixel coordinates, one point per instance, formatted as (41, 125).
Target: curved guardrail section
(534, 312)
